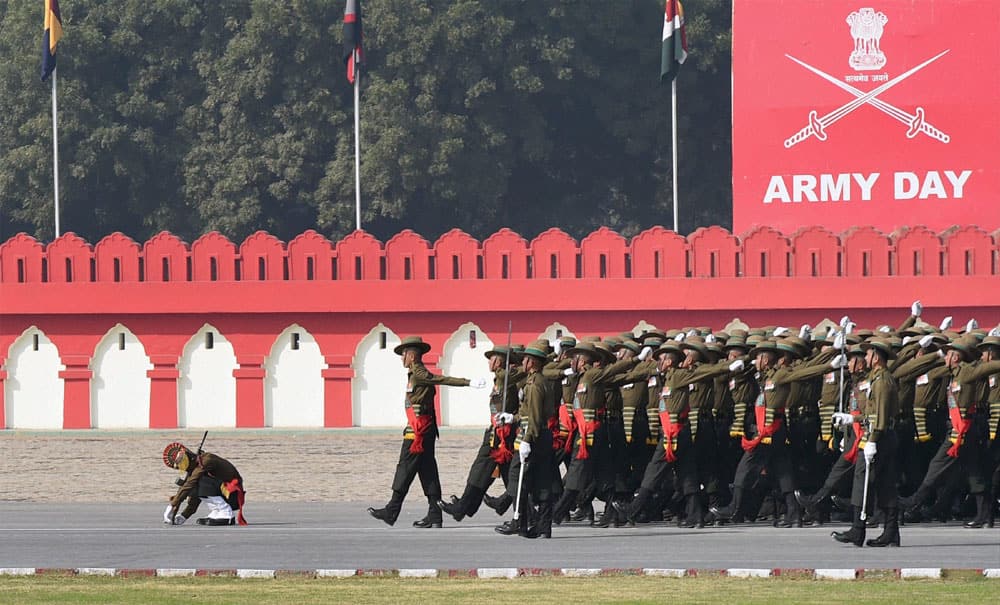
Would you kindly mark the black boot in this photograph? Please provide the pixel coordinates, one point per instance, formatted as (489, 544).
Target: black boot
(390, 512)
(459, 509)
(507, 528)
(542, 527)
(793, 514)
(694, 514)
(561, 508)
(890, 533)
(433, 518)
(855, 535)
(982, 512)
(500, 505)
(727, 512)
(911, 504)
(583, 513)
(629, 510)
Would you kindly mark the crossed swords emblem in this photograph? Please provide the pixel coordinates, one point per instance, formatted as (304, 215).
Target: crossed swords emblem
(916, 122)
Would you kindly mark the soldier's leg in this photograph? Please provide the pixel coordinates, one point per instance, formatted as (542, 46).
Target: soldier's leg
(938, 471)
(746, 474)
(430, 481)
(406, 471)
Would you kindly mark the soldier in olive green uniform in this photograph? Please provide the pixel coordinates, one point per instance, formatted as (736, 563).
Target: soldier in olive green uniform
(675, 452)
(590, 438)
(843, 466)
(768, 448)
(990, 348)
(877, 471)
(497, 448)
(966, 390)
(534, 447)
(416, 456)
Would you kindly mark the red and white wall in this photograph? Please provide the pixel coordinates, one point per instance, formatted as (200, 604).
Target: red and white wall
(268, 334)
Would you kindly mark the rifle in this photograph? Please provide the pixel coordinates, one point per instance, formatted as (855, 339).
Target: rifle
(181, 481)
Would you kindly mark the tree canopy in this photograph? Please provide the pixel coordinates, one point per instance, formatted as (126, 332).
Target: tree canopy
(236, 115)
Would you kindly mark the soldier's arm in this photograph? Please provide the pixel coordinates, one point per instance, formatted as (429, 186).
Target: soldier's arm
(422, 377)
(531, 408)
(802, 372)
(909, 323)
(605, 374)
(983, 371)
(881, 395)
(641, 372)
(904, 355)
(554, 369)
(916, 366)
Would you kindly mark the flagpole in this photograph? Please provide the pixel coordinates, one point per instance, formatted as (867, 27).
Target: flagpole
(357, 141)
(673, 129)
(55, 148)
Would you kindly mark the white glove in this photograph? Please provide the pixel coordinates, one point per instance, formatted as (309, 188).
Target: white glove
(478, 383)
(906, 340)
(870, 450)
(842, 419)
(995, 331)
(779, 332)
(557, 348)
(525, 451)
(805, 331)
(850, 327)
(504, 418)
(839, 341)
(645, 353)
(166, 514)
(568, 372)
(916, 308)
(710, 338)
(925, 341)
(691, 333)
(972, 325)
(680, 337)
(838, 362)
(179, 519)
(946, 323)
(844, 321)
(885, 329)
(736, 366)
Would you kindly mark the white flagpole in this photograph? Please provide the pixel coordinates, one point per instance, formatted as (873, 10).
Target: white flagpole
(357, 141)
(673, 128)
(55, 149)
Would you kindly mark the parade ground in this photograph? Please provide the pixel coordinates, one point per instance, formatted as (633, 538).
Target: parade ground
(93, 500)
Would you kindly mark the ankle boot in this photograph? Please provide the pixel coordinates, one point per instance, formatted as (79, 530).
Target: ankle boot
(629, 510)
(433, 518)
(561, 508)
(890, 533)
(694, 513)
(982, 513)
(542, 527)
(459, 507)
(727, 512)
(855, 535)
(390, 512)
(584, 513)
(793, 514)
(911, 504)
(500, 504)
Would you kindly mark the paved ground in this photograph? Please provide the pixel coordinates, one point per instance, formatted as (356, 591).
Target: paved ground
(338, 536)
(95, 499)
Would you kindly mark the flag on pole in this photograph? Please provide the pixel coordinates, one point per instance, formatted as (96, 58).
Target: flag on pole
(353, 53)
(674, 50)
(53, 31)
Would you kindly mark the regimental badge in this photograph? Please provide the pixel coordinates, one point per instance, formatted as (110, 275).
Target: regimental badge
(923, 379)
(830, 378)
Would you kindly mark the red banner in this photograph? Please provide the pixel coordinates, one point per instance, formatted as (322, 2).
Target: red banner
(882, 113)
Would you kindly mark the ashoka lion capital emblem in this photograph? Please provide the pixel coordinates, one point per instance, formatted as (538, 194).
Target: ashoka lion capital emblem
(867, 27)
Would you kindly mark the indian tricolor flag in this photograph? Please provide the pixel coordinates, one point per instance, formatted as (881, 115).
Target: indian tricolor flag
(50, 37)
(674, 50)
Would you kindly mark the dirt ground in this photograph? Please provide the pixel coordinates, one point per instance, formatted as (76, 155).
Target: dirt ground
(334, 465)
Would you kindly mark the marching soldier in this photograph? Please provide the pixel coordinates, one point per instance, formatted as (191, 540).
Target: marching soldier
(875, 473)
(967, 389)
(497, 449)
(416, 456)
(534, 447)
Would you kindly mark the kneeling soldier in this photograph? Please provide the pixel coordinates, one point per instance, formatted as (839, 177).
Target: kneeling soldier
(213, 480)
